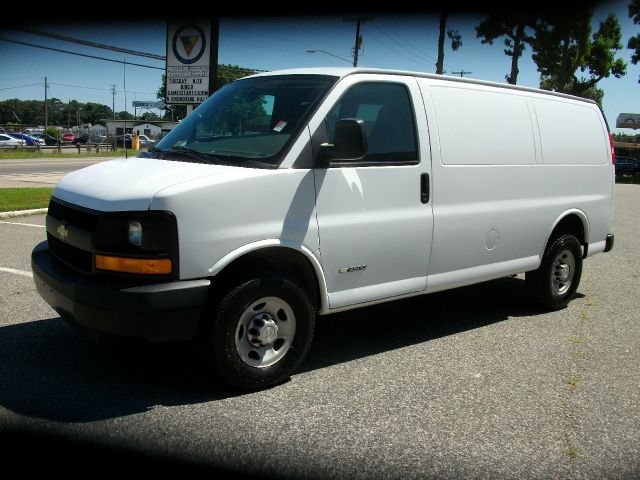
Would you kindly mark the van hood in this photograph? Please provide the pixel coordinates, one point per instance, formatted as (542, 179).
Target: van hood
(129, 183)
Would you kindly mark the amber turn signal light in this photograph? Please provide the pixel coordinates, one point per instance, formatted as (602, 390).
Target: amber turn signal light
(147, 266)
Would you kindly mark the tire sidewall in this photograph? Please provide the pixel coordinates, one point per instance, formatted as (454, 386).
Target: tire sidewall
(227, 364)
(545, 289)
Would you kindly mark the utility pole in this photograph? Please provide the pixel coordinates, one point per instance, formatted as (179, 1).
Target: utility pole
(124, 88)
(46, 107)
(113, 104)
(462, 73)
(358, 42)
(69, 114)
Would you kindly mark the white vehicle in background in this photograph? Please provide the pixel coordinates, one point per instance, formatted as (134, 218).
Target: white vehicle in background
(9, 141)
(145, 141)
(294, 193)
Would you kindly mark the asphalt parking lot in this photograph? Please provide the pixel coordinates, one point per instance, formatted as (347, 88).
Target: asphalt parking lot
(470, 383)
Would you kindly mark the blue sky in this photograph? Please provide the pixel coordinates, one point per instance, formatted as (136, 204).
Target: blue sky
(270, 43)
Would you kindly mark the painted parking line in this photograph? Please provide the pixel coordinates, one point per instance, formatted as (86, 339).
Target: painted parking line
(17, 272)
(25, 224)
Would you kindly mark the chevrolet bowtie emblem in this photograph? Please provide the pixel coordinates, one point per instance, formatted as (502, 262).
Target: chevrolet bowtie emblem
(63, 232)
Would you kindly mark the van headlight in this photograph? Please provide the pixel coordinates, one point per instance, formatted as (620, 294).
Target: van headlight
(135, 234)
(137, 243)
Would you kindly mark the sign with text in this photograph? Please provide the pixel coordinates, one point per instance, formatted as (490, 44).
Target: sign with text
(628, 120)
(147, 104)
(188, 62)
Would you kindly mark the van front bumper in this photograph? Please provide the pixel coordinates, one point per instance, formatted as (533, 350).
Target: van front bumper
(158, 312)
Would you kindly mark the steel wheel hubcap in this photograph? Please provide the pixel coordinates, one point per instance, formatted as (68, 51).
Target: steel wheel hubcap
(265, 331)
(564, 267)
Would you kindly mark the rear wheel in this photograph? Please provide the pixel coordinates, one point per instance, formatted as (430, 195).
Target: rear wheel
(555, 282)
(261, 332)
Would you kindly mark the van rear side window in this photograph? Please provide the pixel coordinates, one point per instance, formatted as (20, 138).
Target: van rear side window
(487, 118)
(571, 133)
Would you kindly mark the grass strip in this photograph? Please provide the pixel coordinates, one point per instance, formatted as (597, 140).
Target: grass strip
(26, 198)
(17, 154)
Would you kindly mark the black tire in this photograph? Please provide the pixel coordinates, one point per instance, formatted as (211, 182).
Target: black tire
(555, 282)
(220, 350)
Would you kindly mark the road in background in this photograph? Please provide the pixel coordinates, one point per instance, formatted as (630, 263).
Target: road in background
(41, 172)
(474, 382)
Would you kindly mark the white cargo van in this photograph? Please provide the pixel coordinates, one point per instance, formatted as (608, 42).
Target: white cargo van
(302, 192)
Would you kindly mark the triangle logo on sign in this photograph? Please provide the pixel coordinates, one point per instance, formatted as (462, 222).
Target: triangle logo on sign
(188, 42)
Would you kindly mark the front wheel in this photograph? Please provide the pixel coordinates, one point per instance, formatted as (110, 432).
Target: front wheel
(555, 282)
(261, 332)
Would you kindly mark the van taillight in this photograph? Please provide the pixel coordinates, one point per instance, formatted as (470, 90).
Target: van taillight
(613, 151)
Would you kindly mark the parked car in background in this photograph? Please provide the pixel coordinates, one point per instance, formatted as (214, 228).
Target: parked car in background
(28, 139)
(9, 141)
(68, 138)
(146, 141)
(627, 165)
(48, 139)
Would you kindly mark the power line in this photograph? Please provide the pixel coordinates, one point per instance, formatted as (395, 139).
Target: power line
(271, 48)
(79, 54)
(371, 60)
(65, 38)
(416, 51)
(96, 88)
(21, 86)
(421, 54)
(421, 63)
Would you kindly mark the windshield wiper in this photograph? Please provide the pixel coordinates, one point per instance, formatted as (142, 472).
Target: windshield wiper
(191, 153)
(156, 150)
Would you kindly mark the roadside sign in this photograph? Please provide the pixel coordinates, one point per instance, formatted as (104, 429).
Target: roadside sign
(628, 120)
(147, 104)
(188, 62)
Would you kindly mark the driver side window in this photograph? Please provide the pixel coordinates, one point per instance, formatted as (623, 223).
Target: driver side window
(386, 111)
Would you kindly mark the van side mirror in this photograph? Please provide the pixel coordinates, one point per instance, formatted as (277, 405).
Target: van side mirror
(350, 143)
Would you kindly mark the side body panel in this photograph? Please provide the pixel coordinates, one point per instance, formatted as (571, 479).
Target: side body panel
(371, 218)
(221, 214)
(495, 200)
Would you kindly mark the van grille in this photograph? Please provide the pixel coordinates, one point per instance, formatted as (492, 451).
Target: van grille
(74, 257)
(80, 219)
(74, 216)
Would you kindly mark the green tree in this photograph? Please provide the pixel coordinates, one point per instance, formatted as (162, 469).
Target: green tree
(54, 132)
(634, 42)
(31, 112)
(124, 115)
(150, 116)
(95, 112)
(454, 36)
(562, 46)
(625, 137)
(512, 26)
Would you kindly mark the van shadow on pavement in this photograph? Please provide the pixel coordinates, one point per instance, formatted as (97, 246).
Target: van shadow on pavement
(49, 371)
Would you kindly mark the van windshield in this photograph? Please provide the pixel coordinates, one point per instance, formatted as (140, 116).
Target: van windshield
(248, 122)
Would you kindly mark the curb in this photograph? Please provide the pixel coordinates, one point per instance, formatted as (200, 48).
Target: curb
(23, 213)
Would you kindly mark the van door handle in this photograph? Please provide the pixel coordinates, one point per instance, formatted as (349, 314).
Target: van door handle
(424, 188)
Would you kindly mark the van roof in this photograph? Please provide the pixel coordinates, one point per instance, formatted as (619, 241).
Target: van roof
(344, 71)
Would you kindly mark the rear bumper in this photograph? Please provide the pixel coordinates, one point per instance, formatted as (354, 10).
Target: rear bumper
(159, 312)
(609, 242)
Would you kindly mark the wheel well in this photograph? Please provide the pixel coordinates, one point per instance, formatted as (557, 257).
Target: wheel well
(273, 259)
(571, 224)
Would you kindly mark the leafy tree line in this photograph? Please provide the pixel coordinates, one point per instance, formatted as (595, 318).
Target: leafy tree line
(624, 137)
(65, 114)
(569, 56)
(31, 112)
